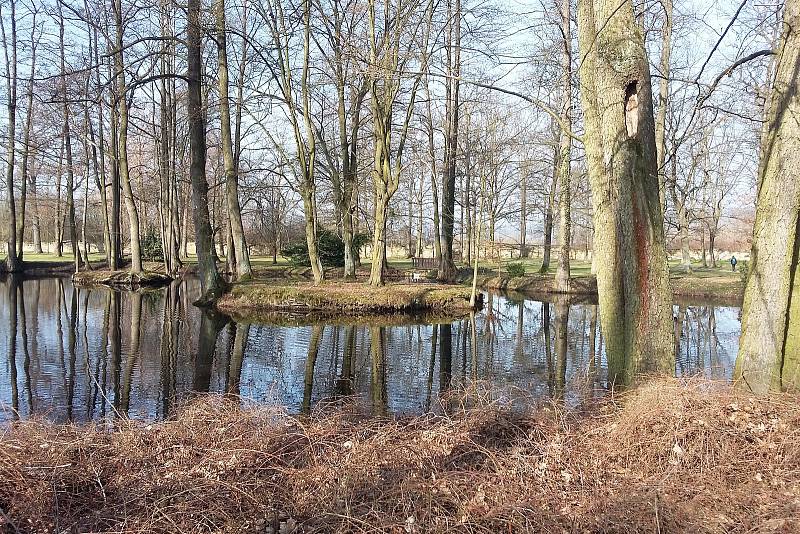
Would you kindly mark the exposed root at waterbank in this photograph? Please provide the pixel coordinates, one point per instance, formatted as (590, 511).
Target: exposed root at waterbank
(668, 457)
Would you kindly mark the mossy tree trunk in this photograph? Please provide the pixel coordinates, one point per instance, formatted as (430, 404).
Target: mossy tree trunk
(769, 347)
(632, 274)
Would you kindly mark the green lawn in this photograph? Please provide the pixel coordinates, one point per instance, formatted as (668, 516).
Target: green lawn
(66, 258)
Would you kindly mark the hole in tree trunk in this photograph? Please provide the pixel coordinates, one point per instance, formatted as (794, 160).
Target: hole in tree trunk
(632, 108)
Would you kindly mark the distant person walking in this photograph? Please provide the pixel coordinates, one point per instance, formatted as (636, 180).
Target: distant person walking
(733, 263)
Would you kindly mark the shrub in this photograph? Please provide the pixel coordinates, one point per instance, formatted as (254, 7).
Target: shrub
(515, 270)
(150, 246)
(329, 246)
(744, 271)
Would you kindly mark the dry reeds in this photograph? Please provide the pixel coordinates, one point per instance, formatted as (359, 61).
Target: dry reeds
(668, 457)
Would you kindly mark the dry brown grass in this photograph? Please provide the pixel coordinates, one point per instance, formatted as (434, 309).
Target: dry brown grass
(669, 457)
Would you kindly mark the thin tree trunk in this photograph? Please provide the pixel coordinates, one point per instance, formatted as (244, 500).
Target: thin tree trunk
(26, 148)
(70, 206)
(663, 95)
(548, 216)
(565, 153)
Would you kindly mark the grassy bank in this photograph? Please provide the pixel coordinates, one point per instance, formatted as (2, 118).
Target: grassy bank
(351, 298)
(701, 283)
(666, 458)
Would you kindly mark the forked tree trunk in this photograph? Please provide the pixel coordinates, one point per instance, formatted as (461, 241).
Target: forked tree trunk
(769, 347)
(632, 275)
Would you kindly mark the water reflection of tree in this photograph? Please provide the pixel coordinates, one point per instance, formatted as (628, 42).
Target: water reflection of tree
(378, 375)
(696, 339)
(11, 288)
(211, 323)
(311, 362)
(133, 354)
(234, 373)
(559, 372)
(344, 384)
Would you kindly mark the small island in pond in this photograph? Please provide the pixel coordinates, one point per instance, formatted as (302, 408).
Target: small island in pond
(347, 298)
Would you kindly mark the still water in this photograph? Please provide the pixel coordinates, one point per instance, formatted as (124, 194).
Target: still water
(76, 354)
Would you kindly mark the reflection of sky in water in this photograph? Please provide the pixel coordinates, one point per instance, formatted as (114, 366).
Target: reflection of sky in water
(76, 356)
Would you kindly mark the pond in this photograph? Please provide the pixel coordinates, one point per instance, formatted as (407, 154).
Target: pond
(77, 354)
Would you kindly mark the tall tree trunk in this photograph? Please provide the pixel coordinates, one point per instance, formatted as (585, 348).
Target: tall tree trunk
(769, 347)
(210, 281)
(632, 275)
(122, 143)
(447, 267)
(565, 153)
(98, 145)
(70, 204)
(243, 270)
(12, 263)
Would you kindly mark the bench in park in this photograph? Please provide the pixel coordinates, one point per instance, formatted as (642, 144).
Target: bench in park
(425, 263)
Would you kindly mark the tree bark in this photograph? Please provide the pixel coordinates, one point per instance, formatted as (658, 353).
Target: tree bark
(632, 275)
(769, 347)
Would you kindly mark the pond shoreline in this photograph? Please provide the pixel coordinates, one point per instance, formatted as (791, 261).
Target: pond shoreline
(669, 456)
